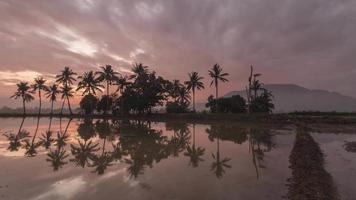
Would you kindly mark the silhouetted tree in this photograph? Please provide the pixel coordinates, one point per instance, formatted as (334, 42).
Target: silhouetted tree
(109, 75)
(88, 103)
(89, 83)
(216, 74)
(67, 92)
(39, 85)
(66, 79)
(52, 92)
(193, 83)
(23, 91)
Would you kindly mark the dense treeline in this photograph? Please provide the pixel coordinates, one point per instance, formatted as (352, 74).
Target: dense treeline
(141, 91)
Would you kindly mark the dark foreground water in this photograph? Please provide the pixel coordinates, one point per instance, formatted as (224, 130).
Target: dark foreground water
(98, 159)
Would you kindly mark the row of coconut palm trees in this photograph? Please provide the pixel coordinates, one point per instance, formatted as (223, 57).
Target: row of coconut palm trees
(92, 82)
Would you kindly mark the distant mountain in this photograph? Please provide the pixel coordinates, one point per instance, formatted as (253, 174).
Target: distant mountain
(290, 97)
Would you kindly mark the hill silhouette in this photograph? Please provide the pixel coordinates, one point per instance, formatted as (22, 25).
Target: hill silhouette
(291, 97)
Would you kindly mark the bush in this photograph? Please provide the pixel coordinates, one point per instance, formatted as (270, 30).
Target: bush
(88, 103)
(105, 104)
(234, 104)
(175, 107)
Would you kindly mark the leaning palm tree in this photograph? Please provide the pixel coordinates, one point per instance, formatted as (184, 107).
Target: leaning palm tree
(216, 74)
(66, 79)
(67, 92)
(109, 75)
(89, 83)
(39, 85)
(23, 91)
(193, 83)
(51, 93)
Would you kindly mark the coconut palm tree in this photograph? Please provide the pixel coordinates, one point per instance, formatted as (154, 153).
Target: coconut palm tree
(51, 93)
(107, 74)
(39, 85)
(67, 92)
(23, 91)
(183, 95)
(216, 74)
(89, 83)
(139, 70)
(193, 83)
(66, 79)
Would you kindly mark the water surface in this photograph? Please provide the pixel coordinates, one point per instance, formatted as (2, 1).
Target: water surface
(103, 159)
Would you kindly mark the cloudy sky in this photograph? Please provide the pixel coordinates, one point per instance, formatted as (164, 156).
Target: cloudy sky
(311, 43)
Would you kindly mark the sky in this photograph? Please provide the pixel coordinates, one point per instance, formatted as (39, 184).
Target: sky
(311, 43)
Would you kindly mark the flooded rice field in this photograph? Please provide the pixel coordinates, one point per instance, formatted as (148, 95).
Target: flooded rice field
(43, 158)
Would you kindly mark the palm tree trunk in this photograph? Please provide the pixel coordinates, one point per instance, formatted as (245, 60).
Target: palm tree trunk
(122, 106)
(24, 107)
(50, 124)
(70, 109)
(107, 88)
(194, 135)
(52, 107)
(34, 136)
(23, 120)
(39, 96)
(216, 89)
(62, 106)
(194, 99)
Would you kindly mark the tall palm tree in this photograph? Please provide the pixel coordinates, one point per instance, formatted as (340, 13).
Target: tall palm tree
(216, 74)
(23, 91)
(193, 83)
(39, 85)
(89, 83)
(66, 79)
(109, 75)
(51, 93)
(67, 92)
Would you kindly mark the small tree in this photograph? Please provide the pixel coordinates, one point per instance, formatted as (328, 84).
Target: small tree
(88, 104)
(105, 103)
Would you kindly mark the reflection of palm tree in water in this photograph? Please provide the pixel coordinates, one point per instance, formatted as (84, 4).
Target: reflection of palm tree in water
(57, 156)
(15, 140)
(105, 159)
(31, 148)
(101, 162)
(46, 138)
(219, 164)
(180, 139)
(194, 153)
(258, 138)
(84, 152)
